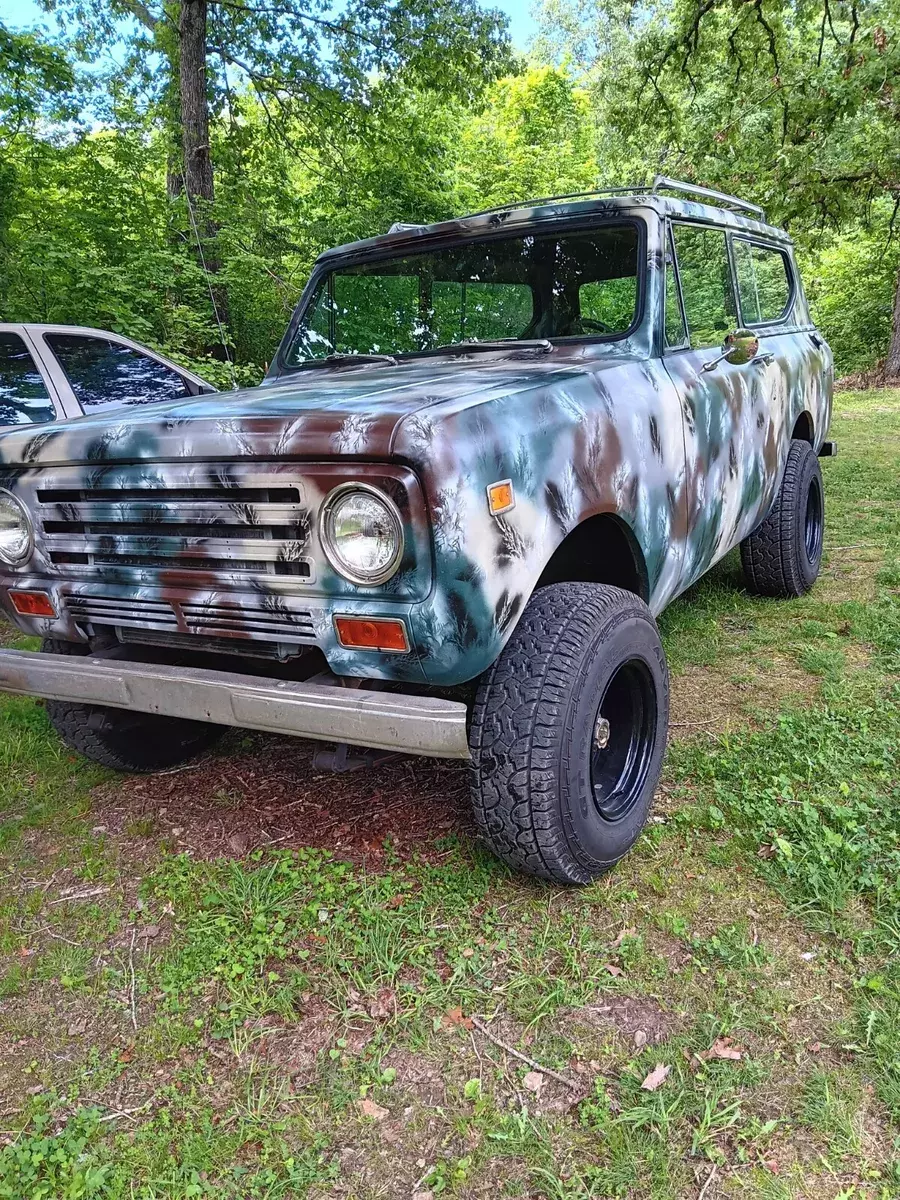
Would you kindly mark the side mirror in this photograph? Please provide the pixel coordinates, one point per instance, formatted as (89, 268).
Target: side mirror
(740, 347)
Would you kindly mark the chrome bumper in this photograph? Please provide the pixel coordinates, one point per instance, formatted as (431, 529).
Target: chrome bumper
(383, 720)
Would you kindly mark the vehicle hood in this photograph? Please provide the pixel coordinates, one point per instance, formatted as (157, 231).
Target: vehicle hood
(319, 413)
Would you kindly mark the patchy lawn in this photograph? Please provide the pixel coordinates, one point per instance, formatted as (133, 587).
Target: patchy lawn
(245, 980)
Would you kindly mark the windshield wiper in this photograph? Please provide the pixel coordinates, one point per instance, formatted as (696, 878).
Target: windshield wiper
(340, 360)
(538, 345)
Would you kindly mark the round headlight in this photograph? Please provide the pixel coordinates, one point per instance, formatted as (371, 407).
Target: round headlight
(16, 539)
(362, 534)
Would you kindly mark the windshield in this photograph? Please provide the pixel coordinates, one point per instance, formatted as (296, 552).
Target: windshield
(573, 285)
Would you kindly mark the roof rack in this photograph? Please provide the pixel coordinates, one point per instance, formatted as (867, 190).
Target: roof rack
(661, 183)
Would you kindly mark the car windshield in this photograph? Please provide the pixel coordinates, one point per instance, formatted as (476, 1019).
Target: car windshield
(534, 286)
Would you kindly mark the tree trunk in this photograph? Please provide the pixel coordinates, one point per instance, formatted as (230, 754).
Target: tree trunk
(892, 364)
(198, 172)
(197, 160)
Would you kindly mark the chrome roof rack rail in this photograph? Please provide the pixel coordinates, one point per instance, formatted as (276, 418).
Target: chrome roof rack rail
(610, 191)
(662, 183)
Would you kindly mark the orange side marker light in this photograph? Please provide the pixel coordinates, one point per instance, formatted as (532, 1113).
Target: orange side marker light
(32, 604)
(372, 633)
(501, 497)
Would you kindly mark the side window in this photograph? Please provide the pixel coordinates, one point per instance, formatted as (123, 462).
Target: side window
(102, 372)
(764, 282)
(23, 395)
(676, 334)
(705, 273)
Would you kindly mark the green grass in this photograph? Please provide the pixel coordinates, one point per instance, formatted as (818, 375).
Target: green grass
(290, 1025)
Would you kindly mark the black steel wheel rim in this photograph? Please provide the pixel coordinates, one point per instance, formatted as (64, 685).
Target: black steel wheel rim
(622, 740)
(812, 526)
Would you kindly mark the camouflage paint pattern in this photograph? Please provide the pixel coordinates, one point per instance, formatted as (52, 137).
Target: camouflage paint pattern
(126, 504)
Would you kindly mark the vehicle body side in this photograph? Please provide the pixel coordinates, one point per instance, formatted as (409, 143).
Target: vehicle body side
(633, 437)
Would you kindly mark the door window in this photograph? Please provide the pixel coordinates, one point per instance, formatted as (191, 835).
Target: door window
(676, 334)
(101, 372)
(24, 399)
(764, 282)
(706, 287)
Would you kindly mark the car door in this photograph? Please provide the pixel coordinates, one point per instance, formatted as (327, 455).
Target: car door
(730, 442)
(27, 396)
(772, 304)
(102, 370)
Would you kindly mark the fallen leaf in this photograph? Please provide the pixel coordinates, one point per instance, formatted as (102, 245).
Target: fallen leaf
(423, 1196)
(150, 931)
(369, 1108)
(772, 1165)
(722, 1048)
(384, 1004)
(625, 933)
(656, 1077)
(613, 970)
(77, 1027)
(395, 901)
(765, 851)
(454, 1016)
(533, 1081)
(468, 952)
(814, 1047)
(640, 1038)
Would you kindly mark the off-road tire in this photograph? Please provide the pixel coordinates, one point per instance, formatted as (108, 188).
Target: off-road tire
(533, 729)
(783, 555)
(124, 740)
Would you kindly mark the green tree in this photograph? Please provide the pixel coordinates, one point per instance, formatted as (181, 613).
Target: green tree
(790, 102)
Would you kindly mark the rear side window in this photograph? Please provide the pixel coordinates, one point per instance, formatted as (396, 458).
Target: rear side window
(24, 399)
(705, 272)
(764, 282)
(102, 372)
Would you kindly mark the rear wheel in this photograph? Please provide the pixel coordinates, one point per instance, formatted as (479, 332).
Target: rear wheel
(783, 555)
(569, 732)
(124, 740)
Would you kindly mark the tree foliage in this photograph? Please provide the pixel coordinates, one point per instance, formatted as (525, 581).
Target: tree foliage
(328, 123)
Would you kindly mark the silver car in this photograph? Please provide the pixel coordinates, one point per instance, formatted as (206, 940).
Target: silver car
(51, 372)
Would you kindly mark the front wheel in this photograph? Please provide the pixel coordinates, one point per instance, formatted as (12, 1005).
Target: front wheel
(121, 739)
(569, 732)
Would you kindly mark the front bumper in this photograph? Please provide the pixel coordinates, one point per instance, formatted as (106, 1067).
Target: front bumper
(327, 711)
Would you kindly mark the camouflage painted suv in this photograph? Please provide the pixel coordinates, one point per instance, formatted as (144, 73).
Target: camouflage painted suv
(488, 453)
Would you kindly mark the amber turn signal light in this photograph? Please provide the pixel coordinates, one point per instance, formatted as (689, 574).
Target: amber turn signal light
(32, 604)
(501, 497)
(372, 633)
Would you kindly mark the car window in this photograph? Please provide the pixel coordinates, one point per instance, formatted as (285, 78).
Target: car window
(705, 272)
(764, 284)
(101, 372)
(24, 399)
(547, 285)
(607, 305)
(676, 334)
(479, 311)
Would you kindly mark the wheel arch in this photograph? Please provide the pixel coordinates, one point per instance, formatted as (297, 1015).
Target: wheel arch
(804, 428)
(600, 549)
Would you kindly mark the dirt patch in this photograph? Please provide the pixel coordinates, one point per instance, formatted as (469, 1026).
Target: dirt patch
(258, 791)
(706, 700)
(636, 1020)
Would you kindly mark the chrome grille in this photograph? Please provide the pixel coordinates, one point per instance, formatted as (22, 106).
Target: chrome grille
(236, 522)
(276, 624)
